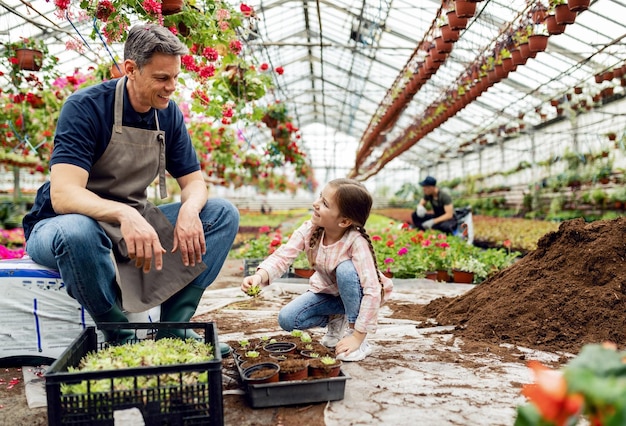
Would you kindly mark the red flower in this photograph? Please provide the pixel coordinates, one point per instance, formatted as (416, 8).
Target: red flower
(264, 229)
(235, 46)
(549, 395)
(280, 70)
(264, 66)
(246, 10)
(275, 242)
(507, 243)
(207, 71)
(211, 54)
(62, 4)
(104, 10)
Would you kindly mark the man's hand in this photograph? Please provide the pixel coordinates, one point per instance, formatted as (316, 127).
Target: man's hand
(142, 242)
(428, 224)
(421, 210)
(189, 236)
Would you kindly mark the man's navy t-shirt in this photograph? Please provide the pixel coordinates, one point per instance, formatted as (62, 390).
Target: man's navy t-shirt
(84, 130)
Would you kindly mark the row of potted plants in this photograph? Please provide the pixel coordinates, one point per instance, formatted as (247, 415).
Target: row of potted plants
(406, 253)
(293, 356)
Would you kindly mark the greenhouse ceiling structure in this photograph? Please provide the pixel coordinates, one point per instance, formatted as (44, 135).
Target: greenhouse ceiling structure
(361, 69)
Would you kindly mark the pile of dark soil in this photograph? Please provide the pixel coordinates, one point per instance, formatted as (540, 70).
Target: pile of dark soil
(568, 292)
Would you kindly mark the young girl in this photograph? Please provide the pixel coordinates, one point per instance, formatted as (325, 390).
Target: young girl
(347, 287)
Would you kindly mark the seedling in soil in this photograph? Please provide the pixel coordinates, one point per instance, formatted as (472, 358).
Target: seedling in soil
(328, 360)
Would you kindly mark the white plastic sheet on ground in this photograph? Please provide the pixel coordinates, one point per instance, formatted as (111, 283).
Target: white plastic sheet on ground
(405, 382)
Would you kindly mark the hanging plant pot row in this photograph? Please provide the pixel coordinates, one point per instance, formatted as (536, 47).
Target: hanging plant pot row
(437, 53)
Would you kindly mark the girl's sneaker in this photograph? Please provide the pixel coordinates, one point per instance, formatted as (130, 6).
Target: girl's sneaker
(336, 327)
(359, 355)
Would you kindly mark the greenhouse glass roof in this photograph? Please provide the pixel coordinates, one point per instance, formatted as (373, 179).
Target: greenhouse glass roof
(346, 62)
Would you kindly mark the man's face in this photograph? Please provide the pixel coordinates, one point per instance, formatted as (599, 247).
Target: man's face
(428, 190)
(153, 85)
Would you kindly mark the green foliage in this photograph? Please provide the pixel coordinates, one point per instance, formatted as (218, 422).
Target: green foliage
(596, 378)
(141, 354)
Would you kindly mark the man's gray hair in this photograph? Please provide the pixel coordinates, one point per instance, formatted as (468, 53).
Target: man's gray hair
(144, 40)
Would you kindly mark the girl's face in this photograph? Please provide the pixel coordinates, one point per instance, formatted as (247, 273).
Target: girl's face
(325, 211)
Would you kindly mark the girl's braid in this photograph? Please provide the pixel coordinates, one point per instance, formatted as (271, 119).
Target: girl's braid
(369, 243)
(313, 241)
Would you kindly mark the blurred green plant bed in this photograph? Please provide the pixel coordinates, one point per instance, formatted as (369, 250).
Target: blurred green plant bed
(520, 234)
(489, 231)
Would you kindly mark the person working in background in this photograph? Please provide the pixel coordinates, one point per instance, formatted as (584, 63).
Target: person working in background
(441, 218)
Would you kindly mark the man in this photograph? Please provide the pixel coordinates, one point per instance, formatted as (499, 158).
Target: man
(92, 221)
(441, 217)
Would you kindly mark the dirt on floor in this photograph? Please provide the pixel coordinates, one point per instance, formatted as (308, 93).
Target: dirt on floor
(569, 292)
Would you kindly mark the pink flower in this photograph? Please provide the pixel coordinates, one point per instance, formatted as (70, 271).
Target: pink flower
(222, 15)
(264, 229)
(389, 260)
(426, 243)
(235, 46)
(403, 251)
(376, 238)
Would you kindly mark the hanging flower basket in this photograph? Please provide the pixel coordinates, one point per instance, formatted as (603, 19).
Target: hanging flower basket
(564, 16)
(116, 71)
(455, 22)
(553, 27)
(29, 59)
(464, 9)
(443, 46)
(538, 42)
(170, 7)
(578, 5)
(517, 57)
(449, 34)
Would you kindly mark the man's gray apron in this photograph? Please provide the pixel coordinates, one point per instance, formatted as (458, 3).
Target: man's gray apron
(131, 162)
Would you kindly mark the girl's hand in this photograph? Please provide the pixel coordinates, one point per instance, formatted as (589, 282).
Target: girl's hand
(350, 343)
(252, 284)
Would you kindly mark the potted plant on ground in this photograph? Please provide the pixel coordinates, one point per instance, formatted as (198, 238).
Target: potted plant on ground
(325, 366)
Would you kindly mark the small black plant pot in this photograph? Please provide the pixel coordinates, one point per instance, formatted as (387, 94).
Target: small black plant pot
(280, 348)
(265, 372)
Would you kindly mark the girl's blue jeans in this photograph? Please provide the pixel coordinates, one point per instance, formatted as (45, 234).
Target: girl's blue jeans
(78, 248)
(312, 309)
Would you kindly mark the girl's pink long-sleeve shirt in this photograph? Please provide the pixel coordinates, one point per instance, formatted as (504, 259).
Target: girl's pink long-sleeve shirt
(351, 246)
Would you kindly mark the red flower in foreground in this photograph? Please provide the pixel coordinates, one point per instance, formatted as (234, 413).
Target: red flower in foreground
(264, 66)
(549, 395)
(280, 70)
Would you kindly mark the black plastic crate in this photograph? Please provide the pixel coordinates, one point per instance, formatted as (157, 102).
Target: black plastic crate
(181, 404)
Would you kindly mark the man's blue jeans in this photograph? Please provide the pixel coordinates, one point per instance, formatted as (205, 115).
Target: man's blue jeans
(78, 248)
(312, 309)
